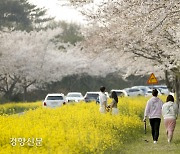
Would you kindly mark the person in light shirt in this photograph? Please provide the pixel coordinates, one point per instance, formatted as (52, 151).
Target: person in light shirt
(102, 100)
(170, 113)
(153, 111)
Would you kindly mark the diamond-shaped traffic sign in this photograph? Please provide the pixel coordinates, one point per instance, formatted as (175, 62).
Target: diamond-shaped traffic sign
(152, 79)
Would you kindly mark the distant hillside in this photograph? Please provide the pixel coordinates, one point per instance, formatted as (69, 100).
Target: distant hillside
(84, 83)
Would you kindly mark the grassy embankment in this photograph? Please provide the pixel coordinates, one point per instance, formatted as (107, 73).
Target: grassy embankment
(145, 145)
(13, 108)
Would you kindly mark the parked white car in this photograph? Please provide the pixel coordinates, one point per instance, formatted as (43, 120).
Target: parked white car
(164, 91)
(74, 97)
(120, 93)
(149, 92)
(162, 88)
(54, 100)
(134, 92)
(143, 88)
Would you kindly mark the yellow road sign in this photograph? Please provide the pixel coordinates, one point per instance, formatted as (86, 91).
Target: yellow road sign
(152, 79)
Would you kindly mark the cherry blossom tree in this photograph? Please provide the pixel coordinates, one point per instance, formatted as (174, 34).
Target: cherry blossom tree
(144, 32)
(32, 59)
(22, 58)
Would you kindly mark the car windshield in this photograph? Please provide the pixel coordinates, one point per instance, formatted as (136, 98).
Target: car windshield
(134, 90)
(92, 96)
(74, 95)
(54, 98)
(143, 89)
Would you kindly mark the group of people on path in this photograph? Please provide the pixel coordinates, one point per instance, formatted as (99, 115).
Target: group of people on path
(104, 107)
(155, 108)
(153, 111)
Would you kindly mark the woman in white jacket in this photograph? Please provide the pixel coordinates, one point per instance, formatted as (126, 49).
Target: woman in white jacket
(170, 113)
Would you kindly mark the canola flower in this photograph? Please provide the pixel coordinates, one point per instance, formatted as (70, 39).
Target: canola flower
(74, 128)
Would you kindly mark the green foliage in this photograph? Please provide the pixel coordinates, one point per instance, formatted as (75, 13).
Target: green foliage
(13, 108)
(85, 82)
(82, 83)
(20, 15)
(71, 33)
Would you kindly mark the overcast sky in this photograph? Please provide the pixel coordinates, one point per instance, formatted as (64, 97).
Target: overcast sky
(56, 9)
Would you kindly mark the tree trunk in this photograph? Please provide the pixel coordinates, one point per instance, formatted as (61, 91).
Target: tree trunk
(177, 89)
(8, 93)
(25, 94)
(168, 83)
(25, 85)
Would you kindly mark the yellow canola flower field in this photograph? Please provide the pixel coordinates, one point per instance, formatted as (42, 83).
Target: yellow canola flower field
(74, 128)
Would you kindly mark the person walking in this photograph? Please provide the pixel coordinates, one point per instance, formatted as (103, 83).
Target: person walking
(153, 111)
(170, 113)
(113, 105)
(102, 100)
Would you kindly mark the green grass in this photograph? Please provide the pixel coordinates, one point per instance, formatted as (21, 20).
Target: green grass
(13, 108)
(145, 145)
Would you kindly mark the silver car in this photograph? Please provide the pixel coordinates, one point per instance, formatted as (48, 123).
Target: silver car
(134, 92)
(74, 97)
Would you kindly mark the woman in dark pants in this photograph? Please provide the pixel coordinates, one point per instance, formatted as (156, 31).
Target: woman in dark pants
(153, 112)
